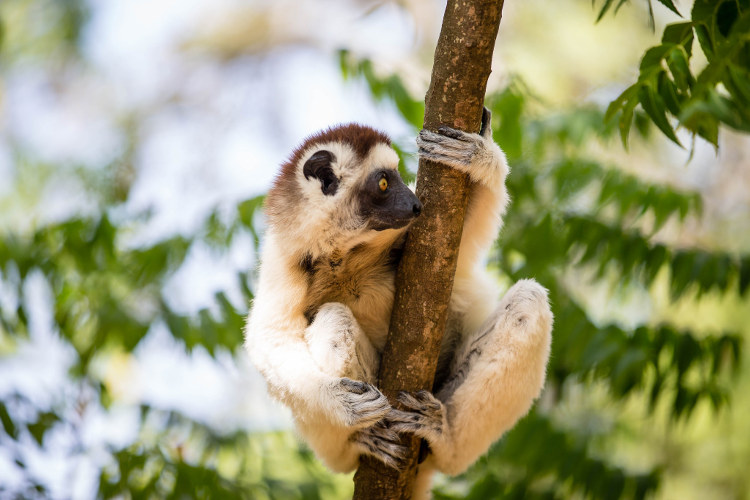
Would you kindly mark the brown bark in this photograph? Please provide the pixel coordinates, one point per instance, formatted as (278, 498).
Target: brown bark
(425, 275)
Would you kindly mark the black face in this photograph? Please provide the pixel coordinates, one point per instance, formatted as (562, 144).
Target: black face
(386, 202)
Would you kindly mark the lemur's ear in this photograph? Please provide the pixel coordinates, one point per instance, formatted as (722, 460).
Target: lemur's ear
(319, 167)
(486, 129)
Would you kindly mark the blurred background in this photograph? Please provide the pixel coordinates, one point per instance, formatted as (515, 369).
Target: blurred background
(137, 139)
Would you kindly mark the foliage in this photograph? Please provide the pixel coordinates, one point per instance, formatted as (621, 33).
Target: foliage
(699, 100)
(575, 219)
(572, 209)
(107, 297)
(201, 466)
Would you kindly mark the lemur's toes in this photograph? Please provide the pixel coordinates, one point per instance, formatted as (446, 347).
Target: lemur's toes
(421, 401)
(383, 443)
(423, 415)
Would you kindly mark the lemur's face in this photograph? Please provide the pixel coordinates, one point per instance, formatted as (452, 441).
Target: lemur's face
(340, 185)
(385, 202)
(361, 193)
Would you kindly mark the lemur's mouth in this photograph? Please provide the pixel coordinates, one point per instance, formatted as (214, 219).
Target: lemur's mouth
(396, 215)
(394, 223)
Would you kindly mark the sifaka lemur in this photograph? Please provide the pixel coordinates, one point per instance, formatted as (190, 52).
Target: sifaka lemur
(337, 214)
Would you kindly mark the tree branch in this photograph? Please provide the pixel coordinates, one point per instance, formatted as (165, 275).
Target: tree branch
(424, 280)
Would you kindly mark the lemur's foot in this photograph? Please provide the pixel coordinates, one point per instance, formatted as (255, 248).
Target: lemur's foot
(382, 442)
(424, 415)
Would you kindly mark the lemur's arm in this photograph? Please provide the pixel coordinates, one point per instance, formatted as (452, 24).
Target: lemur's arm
(275, 337)
(478, 156)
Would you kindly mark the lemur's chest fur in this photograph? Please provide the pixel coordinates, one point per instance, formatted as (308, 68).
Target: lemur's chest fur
(362, 279)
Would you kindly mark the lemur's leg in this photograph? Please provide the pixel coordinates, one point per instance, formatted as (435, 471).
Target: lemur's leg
(494, 378)
(341, 349)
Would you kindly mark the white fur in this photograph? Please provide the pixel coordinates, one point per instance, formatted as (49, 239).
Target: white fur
(496, 371)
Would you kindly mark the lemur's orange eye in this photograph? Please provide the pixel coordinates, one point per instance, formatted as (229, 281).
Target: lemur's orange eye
(383, 184)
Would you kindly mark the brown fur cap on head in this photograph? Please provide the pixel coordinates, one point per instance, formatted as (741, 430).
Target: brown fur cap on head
(360, 138)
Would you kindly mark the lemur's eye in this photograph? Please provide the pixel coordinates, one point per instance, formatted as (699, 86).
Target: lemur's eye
(383, 184)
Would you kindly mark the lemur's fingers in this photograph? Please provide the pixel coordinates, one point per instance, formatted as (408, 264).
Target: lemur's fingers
(454, 133)
(424, 415)
(444, 149)
(363, 404)
(382, 442)
(449, 138)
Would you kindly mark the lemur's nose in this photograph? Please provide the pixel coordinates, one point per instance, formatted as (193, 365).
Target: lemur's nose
(417, 208)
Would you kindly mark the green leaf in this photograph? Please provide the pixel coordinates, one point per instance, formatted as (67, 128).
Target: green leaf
(738, 83)
(682, 272)
(655, 260)
(626, 102)
(700, 122)
(627, 95)
(726, 16)
(620, 4)
(43, 423)
(654, 106)
(678, 34)
(8, 426)
(605, 7)
(705, 40)
(343, 55)
(670, 5)
(652, 59)
(246, 212)
(668, 93)
(703, 10)
(679, 66)
(744, 281)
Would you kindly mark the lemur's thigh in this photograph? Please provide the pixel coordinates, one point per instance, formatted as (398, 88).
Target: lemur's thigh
(512, 343)
(339, 345)
(494, 378)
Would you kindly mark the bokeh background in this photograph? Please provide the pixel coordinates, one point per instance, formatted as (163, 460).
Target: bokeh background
(137, 139)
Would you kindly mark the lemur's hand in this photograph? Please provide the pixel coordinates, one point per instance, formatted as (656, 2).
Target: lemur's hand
(358, 404)
(473, 154)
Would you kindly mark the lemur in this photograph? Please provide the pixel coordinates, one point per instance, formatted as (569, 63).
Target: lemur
(337, 216)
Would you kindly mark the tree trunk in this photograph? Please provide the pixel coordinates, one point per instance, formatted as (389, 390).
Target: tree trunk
(424, 280)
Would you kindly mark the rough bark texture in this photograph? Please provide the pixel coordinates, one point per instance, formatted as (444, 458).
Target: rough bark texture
(425, 275)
